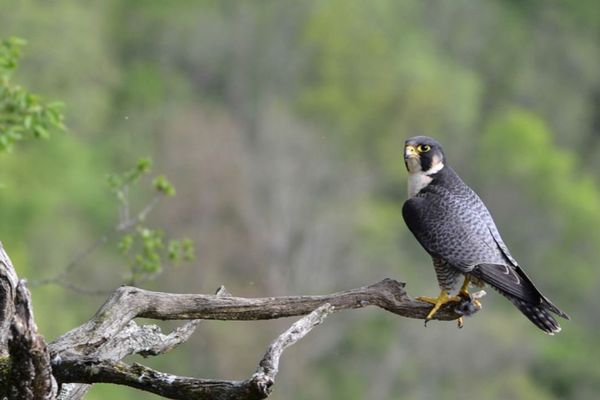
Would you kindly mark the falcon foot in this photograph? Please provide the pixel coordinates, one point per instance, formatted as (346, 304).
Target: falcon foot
(437, 302)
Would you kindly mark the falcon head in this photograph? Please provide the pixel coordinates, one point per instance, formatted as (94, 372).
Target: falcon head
(423, 155)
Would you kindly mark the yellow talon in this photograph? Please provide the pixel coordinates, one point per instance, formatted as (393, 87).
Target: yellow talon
(464, 289)
(442, 299)
(427, 299)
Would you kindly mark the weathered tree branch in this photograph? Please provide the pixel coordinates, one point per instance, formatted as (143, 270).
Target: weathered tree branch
(85, 346)
(92, 353)
(176, 387)
(152, 342)
(127, 303)
(268, 367)
(146, 340)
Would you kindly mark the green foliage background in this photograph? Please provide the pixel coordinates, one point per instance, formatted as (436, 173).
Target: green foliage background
(281, 125)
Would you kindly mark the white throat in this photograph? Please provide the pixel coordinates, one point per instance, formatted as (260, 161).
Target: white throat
(418, 179)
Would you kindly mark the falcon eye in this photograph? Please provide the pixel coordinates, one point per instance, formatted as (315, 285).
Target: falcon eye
(423, 148)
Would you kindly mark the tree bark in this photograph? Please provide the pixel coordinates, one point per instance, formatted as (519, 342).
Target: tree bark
(8, 286)
(25, 371)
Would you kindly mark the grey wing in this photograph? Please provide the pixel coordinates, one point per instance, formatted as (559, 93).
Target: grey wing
(451, 228)
(504, 274)
(489, 221)
(501, 245)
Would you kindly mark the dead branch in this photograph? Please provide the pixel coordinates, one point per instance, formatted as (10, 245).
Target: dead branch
(128, 302)
(176, 387)
(94, 345)
(92, 353)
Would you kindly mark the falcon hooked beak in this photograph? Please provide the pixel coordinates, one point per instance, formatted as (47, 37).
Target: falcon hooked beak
(411, 158)
(410, 151)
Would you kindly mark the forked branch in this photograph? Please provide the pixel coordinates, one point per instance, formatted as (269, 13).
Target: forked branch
(176, 387)
(92, 353)
(87, 354)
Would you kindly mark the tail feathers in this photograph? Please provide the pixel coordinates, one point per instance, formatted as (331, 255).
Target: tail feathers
(538, 314)
(548, 304)
(515, 285)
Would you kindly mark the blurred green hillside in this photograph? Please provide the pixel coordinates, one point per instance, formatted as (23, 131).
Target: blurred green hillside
(281, 125)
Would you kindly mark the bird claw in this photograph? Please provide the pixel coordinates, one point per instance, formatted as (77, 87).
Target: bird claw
(468, 304)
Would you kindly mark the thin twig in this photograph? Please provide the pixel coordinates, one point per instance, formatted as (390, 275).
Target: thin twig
(130, 223)
(123, 226)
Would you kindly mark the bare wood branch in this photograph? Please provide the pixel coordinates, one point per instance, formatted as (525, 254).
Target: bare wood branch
(140, 377)
(92, 352)
(146, 340)
(100, 335)
(128, 303)
(177, 387)
(153, 342)
(264, 377)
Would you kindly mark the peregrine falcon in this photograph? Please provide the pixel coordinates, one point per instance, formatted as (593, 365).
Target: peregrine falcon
(454, 226)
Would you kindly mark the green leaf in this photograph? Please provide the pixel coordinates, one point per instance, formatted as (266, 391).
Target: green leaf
(163, 185)
(125, 243)
(144, 164)
(23, 114)
(188, 250)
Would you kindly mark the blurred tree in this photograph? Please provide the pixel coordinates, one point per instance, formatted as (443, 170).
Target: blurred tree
(22, 114)
(281, 124)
